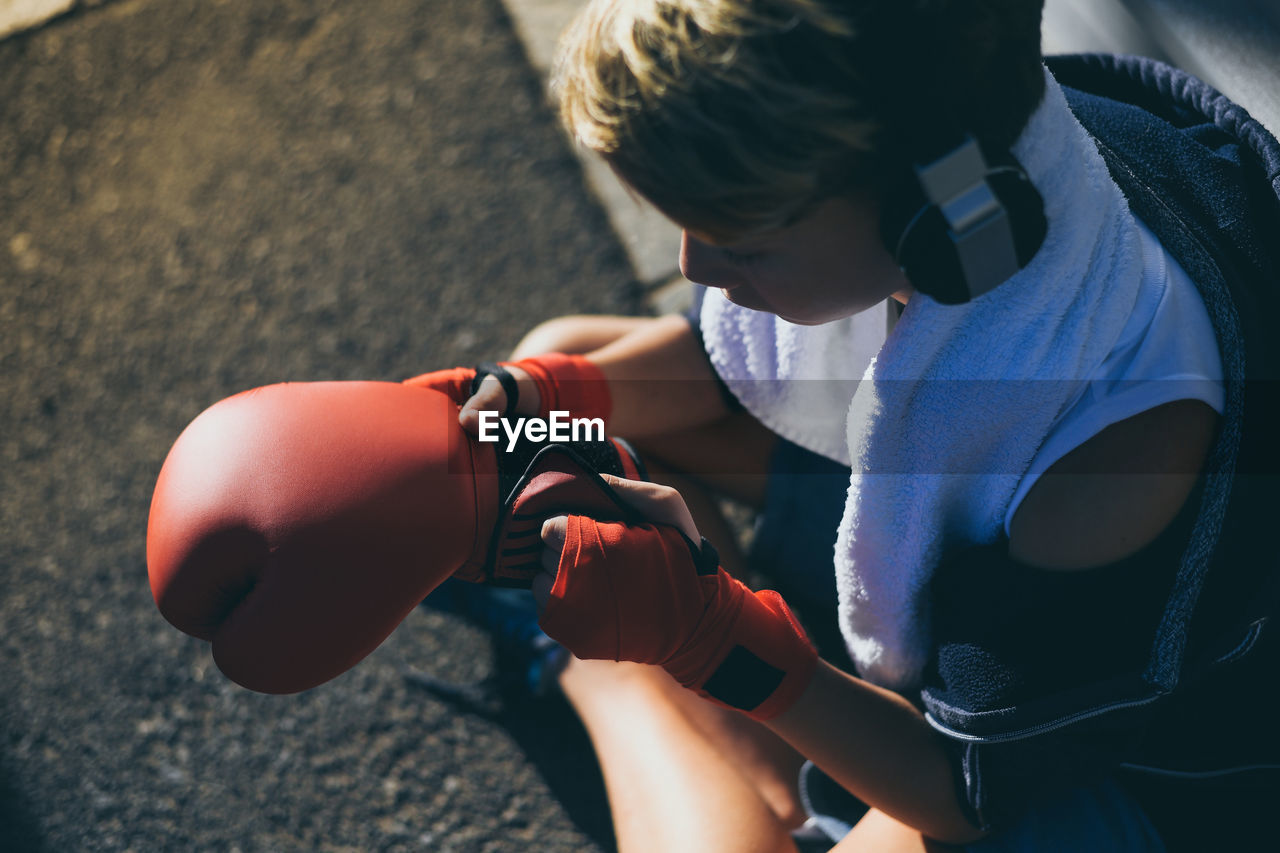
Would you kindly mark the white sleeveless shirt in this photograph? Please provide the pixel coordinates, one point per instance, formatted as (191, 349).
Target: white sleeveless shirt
(967, 405)
(1166, 352)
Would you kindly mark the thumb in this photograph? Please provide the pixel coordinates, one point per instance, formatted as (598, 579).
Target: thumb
(656, 502)
(489, 397)
(553, 535)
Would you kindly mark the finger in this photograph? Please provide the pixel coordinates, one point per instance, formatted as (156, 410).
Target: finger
(542, 584)
(489, 397)
(553, 536)
(554, 530)
(656, 502)
(550, 560)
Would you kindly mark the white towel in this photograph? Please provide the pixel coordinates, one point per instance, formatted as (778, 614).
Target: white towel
(797, 380)
(953, 406)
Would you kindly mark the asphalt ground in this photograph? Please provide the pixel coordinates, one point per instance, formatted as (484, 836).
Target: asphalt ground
(198, 198)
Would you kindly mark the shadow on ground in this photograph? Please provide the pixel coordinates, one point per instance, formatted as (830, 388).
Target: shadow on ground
(196, 199)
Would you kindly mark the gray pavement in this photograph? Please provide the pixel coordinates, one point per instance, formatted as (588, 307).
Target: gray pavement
(652, 242)
(197, 198)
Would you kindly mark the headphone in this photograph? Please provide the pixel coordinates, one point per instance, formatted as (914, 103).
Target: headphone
(963, 222)
(962, 217)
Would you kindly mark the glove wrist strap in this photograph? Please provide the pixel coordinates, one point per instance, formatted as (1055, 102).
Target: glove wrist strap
(768, 661)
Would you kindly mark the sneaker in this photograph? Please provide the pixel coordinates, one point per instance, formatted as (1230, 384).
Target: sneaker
(832, 810)
(524, 654)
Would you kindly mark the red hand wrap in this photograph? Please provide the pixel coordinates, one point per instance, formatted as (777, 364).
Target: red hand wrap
(568, 383)
(634, 593)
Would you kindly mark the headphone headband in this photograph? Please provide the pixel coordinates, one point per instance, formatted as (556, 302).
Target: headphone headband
(977, 221)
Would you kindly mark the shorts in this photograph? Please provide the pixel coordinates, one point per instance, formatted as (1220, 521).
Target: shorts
(795, 538)
(1099, 818)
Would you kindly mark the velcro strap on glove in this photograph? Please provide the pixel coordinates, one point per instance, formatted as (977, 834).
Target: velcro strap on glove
(557, 481)
(645, 593)
(568, 383)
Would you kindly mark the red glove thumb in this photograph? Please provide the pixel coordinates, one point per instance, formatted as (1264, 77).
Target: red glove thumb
(645, 594)
(454, 382)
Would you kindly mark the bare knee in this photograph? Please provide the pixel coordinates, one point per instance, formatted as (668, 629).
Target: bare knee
(576, 333)
(619, 689)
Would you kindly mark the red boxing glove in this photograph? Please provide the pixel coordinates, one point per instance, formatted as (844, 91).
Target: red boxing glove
(455, 382)
(558, 480)
(569, 383)
(645, 594)
(295, 526)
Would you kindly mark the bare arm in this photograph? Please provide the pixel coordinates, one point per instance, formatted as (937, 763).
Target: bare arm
(659, 381)
(879, 747)
(1115, 493)
(871, 740)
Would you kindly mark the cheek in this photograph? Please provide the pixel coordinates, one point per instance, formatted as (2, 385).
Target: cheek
(819, 280)
(829, 288)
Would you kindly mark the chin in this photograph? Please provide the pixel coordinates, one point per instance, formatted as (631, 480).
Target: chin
(809, 321)
(744, 298)
(814, 320)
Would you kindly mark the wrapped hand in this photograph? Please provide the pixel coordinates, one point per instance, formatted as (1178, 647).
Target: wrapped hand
(647, 593)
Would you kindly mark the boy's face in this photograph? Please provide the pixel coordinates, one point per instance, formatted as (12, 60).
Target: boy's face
(828, 265)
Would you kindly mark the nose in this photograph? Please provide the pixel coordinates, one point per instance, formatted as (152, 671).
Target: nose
(701, 263)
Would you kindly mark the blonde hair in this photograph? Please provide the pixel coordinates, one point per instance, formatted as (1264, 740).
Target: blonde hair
(738, 116)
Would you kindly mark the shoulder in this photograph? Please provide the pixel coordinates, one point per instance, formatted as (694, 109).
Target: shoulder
(1117, 492)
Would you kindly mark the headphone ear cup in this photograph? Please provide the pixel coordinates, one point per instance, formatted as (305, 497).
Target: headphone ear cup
(1025, 207)
(929, 258)
(916, 233)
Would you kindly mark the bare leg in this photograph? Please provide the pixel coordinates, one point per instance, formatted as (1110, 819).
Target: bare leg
(769, 763)
(882, 834)
(672, 788)
(669, 788)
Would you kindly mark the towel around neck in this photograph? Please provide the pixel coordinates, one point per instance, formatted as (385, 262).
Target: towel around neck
(940, 419)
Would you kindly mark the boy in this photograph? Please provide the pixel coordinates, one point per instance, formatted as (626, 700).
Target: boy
(794, 141)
